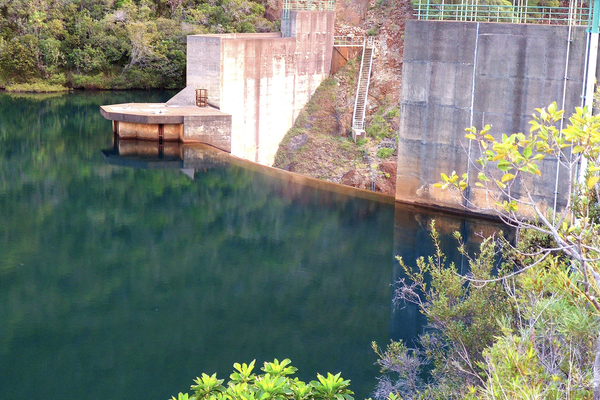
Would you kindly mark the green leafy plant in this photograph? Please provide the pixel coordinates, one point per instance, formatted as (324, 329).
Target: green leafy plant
(274, 384)
(385, 152)
(332, 387)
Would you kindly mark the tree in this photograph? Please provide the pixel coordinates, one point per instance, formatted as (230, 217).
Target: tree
(575, 228)
(550, 282)
(577, 150)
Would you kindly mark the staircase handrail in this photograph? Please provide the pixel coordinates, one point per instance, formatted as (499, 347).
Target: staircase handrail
(358, 121)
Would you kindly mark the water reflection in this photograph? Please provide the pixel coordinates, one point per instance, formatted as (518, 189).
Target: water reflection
(121, 277)
(412, 239)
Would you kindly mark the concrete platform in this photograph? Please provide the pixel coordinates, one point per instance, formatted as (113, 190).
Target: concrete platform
(154, 113)
(165, 122)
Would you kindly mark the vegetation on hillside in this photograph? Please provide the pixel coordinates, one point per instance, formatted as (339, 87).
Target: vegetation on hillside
(111, 44)
(320, 144)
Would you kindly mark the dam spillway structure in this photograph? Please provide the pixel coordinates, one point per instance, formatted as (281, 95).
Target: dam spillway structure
(472, 64)
(255, 86)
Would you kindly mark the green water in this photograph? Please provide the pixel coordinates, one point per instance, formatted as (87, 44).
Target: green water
(125, 283)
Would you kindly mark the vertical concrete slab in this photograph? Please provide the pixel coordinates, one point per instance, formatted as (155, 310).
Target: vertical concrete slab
(515, 68)
(204, 66)
(264, 80)
(214, 130)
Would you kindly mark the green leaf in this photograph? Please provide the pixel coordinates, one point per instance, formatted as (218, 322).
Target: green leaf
(504, 165)
(507, 177)
(539, 156)
(502, 185)
(527, 152)
(592, 181)
(481, 176)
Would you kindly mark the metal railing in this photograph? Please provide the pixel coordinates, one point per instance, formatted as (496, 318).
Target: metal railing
(309, 5)
(301, 5)
(349, 41)
(362, 90)
(578, 13)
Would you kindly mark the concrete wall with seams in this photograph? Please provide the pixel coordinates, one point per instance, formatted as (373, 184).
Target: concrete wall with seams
(461, 74)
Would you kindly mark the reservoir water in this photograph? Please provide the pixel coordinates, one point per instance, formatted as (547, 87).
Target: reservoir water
(126, 279)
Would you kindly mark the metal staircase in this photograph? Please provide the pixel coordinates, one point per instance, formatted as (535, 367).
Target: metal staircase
(364, 79)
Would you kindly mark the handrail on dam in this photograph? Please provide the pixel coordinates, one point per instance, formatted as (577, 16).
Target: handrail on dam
(349, 41)
(302, 5)
(578, 13)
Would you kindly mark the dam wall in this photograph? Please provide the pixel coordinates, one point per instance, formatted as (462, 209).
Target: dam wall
(262, 80)
(461, 74)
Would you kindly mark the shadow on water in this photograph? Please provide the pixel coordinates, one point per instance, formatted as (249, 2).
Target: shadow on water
(126, 273)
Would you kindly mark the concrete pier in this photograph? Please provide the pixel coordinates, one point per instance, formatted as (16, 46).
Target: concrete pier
(163, 122)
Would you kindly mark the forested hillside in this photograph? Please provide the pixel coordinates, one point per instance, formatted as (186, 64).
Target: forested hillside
(112, 44)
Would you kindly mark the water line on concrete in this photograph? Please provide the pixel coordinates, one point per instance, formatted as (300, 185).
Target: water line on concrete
(468, 190)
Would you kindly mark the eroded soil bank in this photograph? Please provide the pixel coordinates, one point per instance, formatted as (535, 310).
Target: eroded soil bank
(320, 144)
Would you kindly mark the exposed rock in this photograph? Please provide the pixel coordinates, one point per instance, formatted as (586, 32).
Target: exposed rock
(388, 167)
(297, 142)
(273, 11)
(290, 167)
(355, 179)
(351, 11)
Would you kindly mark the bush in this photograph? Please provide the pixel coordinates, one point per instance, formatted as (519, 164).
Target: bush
(36, 87)
(274, 384)
(373, 32)
(530, 335)
(385, 152)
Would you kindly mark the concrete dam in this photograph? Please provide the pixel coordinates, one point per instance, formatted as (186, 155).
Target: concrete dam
(456, 74)
(255, 85)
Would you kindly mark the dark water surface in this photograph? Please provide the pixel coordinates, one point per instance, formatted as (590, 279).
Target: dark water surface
(122, 282)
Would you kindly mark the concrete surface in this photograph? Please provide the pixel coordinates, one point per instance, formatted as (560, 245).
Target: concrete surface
(262, 80)
(514, 69)
(257, 83)
(188, 124)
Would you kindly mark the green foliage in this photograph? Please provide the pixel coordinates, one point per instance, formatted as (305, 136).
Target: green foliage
(273, 384)
(385, 152)
(545, 340)
(104, 37)
(393, 113)
(36, 87)
(372, 32)
(382, 123)
(18, 59)
(529, 335)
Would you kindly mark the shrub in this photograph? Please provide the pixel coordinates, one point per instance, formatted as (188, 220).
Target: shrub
(273, 384)
(385, 152)
(36, 87)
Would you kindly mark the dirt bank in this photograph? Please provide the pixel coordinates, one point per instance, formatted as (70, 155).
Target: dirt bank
(320, 144)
